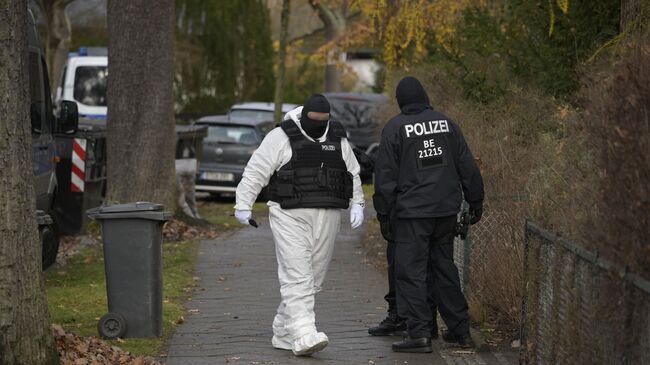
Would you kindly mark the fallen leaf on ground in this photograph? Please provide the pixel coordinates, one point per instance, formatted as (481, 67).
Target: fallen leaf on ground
(76, 350)
(176, 230)
(464, 352)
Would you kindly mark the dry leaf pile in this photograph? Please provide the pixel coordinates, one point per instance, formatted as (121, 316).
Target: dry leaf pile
(75, 350)
(176, 230)
(70, 245)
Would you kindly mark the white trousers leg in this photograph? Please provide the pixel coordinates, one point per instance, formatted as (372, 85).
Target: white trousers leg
(304, 243)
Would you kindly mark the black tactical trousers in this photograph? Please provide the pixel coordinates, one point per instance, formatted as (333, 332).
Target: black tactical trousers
(391, 297)
(424, 263)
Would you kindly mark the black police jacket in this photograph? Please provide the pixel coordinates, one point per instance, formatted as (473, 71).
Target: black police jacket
(424, 167)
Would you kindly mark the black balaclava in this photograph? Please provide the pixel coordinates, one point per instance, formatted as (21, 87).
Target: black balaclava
(411, 97)
(314, 128)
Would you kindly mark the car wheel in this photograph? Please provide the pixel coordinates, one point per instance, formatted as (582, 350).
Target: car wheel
(50, 244)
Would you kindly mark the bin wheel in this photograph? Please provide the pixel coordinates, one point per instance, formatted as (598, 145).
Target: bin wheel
(50, 245)
(111, 325)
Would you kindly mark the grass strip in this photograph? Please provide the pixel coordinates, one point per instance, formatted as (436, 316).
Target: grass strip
(76, 293)
(219, 213)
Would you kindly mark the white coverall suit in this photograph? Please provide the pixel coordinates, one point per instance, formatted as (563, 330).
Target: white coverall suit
(304, 239)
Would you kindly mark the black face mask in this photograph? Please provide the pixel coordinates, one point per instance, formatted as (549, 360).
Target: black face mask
(314, 128)
(411, 97)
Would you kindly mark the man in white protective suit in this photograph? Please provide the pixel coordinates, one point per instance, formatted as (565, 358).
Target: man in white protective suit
(312, 174)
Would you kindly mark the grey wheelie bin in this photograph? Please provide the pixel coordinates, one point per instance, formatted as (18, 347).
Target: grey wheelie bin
(132, 237)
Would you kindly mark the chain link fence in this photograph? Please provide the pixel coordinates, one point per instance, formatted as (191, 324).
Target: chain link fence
(579, 308)
(490, 260)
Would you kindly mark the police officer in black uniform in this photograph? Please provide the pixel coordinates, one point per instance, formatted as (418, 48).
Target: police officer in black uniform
(423, 170)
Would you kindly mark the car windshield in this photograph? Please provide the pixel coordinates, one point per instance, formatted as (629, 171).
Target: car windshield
(90, 85)
(266, 127)
(266, 115)
(233, 134)
(354, 113)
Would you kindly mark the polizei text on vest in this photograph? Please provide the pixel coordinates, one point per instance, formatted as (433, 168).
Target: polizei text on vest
(426, 128)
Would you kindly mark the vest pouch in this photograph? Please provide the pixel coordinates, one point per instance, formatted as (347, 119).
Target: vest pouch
(336, 178)
(349, 188)
(284, 185)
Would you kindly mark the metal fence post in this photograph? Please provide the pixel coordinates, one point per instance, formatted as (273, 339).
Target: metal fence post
(467, 252)
(523, 346)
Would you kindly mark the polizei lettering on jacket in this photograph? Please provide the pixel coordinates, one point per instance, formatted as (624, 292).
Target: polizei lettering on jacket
(426, 128)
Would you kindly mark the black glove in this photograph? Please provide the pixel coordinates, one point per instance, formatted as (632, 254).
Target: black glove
(475, 213)
(386, 229)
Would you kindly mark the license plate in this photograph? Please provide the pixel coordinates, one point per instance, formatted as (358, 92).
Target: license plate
(218, 176)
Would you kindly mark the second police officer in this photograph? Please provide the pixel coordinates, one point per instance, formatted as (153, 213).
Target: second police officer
(423, 171)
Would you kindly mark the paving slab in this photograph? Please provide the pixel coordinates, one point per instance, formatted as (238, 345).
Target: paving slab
(229, 317)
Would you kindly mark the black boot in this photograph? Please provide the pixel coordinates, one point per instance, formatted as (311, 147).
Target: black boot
(392, 325)
(464, 341)
(434, 334)
(409, 344)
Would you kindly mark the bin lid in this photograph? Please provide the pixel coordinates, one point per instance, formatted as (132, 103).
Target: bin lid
(129, 207)
(145, 210)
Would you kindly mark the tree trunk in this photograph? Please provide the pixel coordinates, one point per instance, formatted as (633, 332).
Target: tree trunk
(332, 73)
(25, 336)
(282, 52)
(140, 122)
(335, 23)
(59, 38)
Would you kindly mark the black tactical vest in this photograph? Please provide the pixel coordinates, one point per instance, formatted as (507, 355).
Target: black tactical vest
(316, 176)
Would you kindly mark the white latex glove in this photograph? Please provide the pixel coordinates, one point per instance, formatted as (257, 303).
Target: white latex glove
(356, 215)
(243, 216)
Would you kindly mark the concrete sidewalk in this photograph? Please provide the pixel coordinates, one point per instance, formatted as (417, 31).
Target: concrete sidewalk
(229, 317)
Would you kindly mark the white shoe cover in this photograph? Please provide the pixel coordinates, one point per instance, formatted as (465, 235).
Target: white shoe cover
(310, 343)
(282, 343)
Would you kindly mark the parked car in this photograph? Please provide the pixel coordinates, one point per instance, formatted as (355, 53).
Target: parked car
(259, 111)
(361, 114)
(228, 146)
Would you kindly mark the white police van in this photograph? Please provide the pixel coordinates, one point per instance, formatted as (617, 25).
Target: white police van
(84, 79)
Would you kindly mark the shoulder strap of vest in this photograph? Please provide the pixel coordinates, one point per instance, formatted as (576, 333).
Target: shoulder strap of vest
(337, 130)
(291, 129)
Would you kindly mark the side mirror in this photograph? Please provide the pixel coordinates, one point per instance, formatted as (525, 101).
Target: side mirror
(68, 122)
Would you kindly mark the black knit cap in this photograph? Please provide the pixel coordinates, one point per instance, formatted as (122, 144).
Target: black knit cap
(411, 96)
(316, 103)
